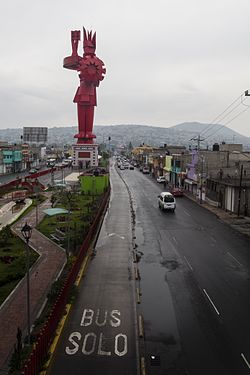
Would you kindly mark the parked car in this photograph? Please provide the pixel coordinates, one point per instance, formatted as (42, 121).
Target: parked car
(126, 165)
(166, 201)
(161, 179)
(32, 171)
(176, 191)
(122, 166)
(145, 170)
(131, 166)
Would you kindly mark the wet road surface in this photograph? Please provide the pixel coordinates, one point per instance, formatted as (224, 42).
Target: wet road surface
(100, 333)
(194, 285)
(193, 291)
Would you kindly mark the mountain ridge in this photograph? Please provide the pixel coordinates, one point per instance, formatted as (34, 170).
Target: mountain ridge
(180, 134)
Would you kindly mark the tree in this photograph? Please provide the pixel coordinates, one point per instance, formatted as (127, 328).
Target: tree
(130, 146)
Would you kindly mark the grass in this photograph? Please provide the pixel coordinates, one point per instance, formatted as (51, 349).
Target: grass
(83, 209)
(11, 273)
(12, 246)
(82, 212)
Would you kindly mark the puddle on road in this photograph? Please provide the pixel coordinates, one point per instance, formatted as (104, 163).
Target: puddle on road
(157, 302)
(170, 264)
(161, 332)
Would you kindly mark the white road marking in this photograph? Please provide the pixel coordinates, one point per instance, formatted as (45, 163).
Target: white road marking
(213, 239)
(204, 290)
(186, 213)
(175, 240)
(234, 258)
(189, 265)
(246, 361)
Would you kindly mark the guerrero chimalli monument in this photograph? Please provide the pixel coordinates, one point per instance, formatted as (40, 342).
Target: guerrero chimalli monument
(91, 71)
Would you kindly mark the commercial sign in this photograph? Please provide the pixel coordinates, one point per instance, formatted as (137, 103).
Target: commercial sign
(35, 135)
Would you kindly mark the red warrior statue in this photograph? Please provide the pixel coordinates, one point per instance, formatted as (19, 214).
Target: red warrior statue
(91, 72)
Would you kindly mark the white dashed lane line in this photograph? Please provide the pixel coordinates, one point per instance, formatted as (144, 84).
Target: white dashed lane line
(234, 258)
(206, 294)
(245, 360)
(188, 263)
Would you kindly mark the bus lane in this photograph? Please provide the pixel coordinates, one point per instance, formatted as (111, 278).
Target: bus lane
(99, 336)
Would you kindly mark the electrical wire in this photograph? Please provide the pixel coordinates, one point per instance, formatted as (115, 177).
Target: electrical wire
(226, 115)
(228, 122)
(219, 118)
(212, 123)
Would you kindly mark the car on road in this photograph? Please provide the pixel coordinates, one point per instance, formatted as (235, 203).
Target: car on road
(166, 201)
(176, 191)
(131, 167)
(161, 179)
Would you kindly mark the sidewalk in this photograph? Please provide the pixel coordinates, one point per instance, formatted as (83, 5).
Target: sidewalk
(239, 223)
(13, 312)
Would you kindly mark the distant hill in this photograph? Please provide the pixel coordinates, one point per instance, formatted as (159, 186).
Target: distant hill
(208, 130)
(180, 134)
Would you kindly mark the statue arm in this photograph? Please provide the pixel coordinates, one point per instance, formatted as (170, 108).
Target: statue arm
(73, 61)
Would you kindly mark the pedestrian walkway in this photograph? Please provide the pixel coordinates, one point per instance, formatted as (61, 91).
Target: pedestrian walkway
(13, 312)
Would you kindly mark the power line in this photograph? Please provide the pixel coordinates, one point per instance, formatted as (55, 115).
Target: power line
(228, 122)
(211, 126)
(217, 117)
(226, 115)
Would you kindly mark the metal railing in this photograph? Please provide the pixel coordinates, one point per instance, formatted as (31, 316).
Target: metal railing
(46, 335)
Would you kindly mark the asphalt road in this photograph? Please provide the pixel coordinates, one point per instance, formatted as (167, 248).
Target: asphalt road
(195, 286)
(100, 333)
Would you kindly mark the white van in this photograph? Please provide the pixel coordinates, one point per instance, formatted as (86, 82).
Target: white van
(166, 201)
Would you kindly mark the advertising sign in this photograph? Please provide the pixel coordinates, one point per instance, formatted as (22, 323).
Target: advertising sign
(35, 135)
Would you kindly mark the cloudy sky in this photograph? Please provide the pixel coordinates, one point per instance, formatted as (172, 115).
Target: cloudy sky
(167, 62)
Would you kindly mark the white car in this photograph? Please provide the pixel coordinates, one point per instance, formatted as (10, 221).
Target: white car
(166, 201)
(161, 179)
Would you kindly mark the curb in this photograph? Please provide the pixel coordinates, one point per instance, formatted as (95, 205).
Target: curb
(62, 322)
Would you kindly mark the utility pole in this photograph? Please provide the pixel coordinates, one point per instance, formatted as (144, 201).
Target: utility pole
(198, 139)
(201, 187)
(240, 185)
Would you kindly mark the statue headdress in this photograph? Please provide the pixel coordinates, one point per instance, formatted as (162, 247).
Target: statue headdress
(89, 40)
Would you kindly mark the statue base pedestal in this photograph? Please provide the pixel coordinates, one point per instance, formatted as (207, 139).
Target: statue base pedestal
(85, 155)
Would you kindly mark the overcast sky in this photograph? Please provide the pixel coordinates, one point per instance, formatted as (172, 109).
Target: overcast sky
(167, 62)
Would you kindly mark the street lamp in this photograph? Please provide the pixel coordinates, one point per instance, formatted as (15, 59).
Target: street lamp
(26, 232)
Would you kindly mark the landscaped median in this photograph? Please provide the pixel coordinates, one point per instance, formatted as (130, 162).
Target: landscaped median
(70, 221)
(12, 261)
(62, 291)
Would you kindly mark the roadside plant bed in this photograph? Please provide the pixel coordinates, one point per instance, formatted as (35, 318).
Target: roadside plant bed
(62, 292)
(12, 261)
(22, 352)
(70, 227)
